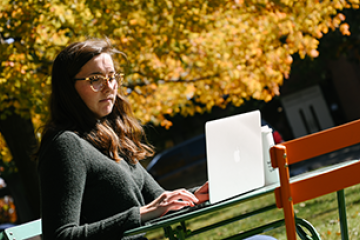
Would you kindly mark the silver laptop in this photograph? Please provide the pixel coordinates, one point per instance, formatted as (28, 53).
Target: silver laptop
(234, 156)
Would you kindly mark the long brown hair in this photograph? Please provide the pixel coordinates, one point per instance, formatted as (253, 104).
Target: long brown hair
(117, 135)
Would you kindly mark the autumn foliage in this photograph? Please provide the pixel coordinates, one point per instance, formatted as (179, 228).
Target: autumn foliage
(185, 56)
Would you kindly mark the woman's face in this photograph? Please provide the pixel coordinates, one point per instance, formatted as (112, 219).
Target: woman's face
(100, 103)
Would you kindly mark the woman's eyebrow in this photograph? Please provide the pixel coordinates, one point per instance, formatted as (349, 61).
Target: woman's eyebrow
(96, 73)
(100, 73)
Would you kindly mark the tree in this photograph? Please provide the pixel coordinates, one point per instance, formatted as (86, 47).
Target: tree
(184, 56)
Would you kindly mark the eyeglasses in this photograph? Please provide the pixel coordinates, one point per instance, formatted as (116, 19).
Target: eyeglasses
(98, 82)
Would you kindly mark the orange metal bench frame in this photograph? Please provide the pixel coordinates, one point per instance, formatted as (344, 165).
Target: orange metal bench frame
(285, 154)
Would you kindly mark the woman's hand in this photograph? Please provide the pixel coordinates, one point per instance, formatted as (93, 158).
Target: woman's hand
(202, 193)
(167, 201)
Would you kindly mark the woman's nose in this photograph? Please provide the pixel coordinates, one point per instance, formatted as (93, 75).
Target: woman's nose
(107, 85)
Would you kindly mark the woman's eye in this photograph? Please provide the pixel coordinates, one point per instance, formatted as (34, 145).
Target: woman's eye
(94, 79)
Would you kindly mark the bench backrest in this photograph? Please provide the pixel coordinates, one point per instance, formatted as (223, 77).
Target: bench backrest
(287, 153)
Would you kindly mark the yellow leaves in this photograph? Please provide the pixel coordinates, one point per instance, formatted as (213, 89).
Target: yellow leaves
(337, 20)
(137, 18)
(288, 60)
(237, 101)
(4, 151)
(239, 2)
(16, 13)
(323, 28)
(166, 123)
(341, 17)
(308, 45)
(133, 22)
(228, 48)
(303, 44)
(8, 64)
(190, 90)
(314, 53)
(344, 29)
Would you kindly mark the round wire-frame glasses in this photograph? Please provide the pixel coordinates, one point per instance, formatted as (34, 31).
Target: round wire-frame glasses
(98, 82)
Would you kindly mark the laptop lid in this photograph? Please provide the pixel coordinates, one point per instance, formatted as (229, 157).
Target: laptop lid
(234, 155)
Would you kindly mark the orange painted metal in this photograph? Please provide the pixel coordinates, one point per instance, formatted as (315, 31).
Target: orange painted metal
(278, 153)
(319, 143)
(287, 153)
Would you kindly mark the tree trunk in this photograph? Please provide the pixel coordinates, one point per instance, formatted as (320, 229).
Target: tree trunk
(18, 133)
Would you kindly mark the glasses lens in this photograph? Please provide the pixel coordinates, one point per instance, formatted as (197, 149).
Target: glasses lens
(97, 82)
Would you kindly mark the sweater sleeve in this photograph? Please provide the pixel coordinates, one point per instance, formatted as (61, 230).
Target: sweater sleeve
(151, 189)
(63, 171)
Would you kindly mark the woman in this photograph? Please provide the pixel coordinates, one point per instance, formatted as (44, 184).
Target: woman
(92, 185)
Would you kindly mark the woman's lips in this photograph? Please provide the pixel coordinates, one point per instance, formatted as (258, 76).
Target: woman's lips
(107, 99)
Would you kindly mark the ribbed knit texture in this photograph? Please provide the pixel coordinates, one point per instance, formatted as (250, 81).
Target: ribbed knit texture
(86, 195)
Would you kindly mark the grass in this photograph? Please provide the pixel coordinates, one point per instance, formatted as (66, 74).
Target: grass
(322, 212)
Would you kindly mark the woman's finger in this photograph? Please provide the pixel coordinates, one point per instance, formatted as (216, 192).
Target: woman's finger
(182, 195)
(175, 205)
(202, 193)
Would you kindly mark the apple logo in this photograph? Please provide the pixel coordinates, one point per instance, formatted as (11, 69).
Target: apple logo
(237, 155)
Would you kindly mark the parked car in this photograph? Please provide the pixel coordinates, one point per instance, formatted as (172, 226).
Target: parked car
(185, 164)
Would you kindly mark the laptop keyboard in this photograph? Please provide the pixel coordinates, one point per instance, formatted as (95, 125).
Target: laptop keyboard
(184, 210)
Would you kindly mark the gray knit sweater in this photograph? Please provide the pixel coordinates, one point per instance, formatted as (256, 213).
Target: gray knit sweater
(86, 195)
